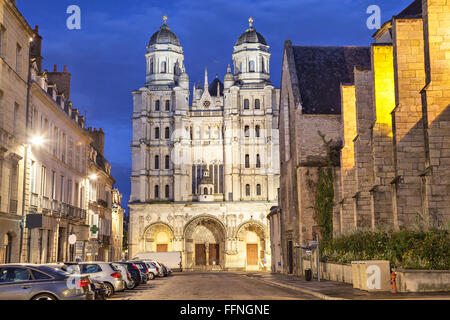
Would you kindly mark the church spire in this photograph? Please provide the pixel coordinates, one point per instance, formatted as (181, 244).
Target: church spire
(206, 79)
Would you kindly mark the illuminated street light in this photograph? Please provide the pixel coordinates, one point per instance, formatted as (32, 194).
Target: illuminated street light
(93, 177)
(37, 141)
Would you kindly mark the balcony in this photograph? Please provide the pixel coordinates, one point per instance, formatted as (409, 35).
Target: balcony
(55, 206)
(64, 210)
(34, 201)
(13, 206)
(46, 205)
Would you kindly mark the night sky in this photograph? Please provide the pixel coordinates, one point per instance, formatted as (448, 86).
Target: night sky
(106, 57)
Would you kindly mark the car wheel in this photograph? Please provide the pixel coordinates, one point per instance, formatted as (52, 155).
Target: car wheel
(131, 284)
(151, 276)
(109, 289)
(44, 296)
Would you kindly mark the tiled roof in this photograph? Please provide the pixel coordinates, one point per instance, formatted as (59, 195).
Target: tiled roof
(321, 70)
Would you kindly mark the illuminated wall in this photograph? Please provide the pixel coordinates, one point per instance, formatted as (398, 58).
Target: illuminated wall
(383, 67)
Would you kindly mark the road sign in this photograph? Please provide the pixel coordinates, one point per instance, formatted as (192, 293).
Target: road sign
(72, 239)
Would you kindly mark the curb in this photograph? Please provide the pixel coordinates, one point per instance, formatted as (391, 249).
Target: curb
(302, 290)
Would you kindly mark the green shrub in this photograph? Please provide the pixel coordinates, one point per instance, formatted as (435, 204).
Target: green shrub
(404, 249)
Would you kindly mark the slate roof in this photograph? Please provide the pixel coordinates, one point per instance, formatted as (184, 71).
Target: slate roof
(321, 70)
(212, 87)
(414, 10)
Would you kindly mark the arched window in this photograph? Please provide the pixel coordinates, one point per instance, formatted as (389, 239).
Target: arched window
(258, 161)
(151, 67)
(157, 192)
(167, 191)
(156, 162)
(258, 189)
(263, 67)
(167, 162)
(167, 132)
(167, 105)
(257, 131)
(157, 105)
(247, 190)
(251, 66)
(246, 104)
(240, 67)
(205, 191)
(163, 67)
(247, 131)
(257, 104)
(247, 161)
(157, 133)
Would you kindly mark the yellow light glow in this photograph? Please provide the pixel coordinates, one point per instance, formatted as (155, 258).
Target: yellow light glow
(383, 66)
(349, 120)
(93, 176)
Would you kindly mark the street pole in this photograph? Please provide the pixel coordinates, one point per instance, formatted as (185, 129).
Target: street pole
(318, 258)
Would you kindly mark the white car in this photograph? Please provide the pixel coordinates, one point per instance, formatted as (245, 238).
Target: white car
(104, 272)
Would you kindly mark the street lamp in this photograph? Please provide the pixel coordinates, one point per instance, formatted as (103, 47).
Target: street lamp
(37, 141)
(93, 176)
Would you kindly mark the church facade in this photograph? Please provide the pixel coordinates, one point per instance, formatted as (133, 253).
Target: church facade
(205, 170)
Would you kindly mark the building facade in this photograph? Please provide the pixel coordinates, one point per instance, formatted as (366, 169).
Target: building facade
(45, 163)
(15, 34)
(376, 117)
(205, 175)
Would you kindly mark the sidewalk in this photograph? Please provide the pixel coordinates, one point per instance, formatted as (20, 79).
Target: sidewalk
(331, 290)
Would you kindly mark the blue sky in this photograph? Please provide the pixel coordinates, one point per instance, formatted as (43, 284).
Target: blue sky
(106, 57)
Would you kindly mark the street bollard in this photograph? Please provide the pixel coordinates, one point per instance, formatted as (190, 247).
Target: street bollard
(394, 284)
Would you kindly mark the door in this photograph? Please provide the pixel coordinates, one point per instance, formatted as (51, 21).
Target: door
(162, 248)
(252, 254)
(200, 255)
(214, 254)
(15, 283)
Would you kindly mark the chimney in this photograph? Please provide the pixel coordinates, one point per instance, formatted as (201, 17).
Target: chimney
(62, 81)
(36, 48)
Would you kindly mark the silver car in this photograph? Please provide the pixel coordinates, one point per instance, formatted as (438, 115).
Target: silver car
(33, 282)
(105, 272)
(129, 283)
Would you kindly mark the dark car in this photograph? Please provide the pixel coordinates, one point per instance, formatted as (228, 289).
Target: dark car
(34, 282)
(135, 274)
(165, 270)
(147, 275)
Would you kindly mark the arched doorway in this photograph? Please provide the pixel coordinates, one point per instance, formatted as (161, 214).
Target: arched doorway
(252, 237)
(158, 238)
(204, 243)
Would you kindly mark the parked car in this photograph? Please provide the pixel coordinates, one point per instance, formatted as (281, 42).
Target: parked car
(34, 282)
(73, 268)
(126, 276)
(152, 269)
(159, 267)
(105, 272)
(144, 270)
(135, 273)
(171, 259)
(165, 270)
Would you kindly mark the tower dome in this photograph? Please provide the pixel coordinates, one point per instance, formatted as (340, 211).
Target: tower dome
(251, 36)
(164, 36)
